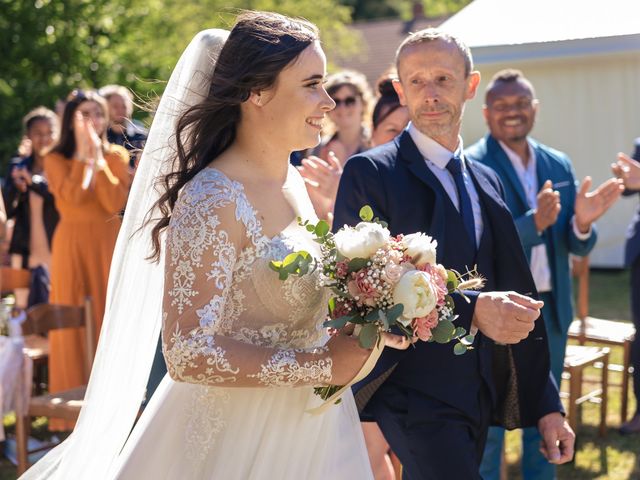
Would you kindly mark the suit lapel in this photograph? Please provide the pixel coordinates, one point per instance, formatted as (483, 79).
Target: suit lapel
(506, 171)
(418, 166)
(543, 169)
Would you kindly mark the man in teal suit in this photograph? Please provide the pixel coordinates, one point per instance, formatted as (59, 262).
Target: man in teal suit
(553, 221)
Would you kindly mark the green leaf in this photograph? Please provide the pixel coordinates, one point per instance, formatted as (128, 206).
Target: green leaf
(459, 332)
(452, 280)
(443, 332)
(310, 228)
(357, 264)
(366, 213)
(468, 340)
(459, 349)
(337, 322)
(283, 275)
(373, 316)
(275, 266)
(332, 304)
(322, 228)
(394, 313)
(368, 335)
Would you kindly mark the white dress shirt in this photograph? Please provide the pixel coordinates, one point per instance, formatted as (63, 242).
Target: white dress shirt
(540, 269)
(437, 157)
(539, 263)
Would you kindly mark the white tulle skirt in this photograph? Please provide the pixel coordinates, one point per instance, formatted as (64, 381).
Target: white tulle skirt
(194, 432)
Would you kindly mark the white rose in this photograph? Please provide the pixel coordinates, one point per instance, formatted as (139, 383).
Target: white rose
(421, 248)
(361, 241)
(415, 291)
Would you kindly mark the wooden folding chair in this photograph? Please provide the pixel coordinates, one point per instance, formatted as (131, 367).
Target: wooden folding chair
(606, 332)
(66, 405)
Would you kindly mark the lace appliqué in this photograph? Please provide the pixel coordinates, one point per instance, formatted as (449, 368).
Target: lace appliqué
(284, 370)
(205, 421)
(185, 349)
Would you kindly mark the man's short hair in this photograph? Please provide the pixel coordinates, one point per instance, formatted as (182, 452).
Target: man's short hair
(508, 75)
(109, 90)
(39, 114)
(431, 35)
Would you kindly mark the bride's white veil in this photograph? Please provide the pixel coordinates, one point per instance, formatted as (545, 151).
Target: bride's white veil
(134, 298)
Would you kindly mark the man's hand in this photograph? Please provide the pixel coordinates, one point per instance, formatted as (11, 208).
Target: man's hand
(506, 317)
(628, 170)
(548, 207)
(592, 205)
(558, 439)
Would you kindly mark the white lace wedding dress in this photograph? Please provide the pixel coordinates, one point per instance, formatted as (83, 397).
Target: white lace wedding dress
(221, 300)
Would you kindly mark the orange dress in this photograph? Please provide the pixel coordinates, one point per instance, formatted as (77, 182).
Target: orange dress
(81, 253)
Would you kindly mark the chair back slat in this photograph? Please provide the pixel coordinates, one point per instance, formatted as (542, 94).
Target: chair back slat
(13, 278)
(45, 317)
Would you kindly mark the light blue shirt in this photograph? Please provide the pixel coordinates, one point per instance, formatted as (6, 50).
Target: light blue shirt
(436, 156)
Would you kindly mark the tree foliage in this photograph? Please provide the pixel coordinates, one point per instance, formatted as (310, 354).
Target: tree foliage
(374, 9)
(54, 46)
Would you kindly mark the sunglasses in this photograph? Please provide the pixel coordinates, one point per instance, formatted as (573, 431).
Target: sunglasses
(348, 101)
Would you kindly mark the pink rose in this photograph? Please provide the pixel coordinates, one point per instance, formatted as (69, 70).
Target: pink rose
(437, 280)
(422, 326)
(362, 287)
(394, 271)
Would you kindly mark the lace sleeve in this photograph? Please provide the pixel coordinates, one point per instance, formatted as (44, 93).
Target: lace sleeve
(204, 239)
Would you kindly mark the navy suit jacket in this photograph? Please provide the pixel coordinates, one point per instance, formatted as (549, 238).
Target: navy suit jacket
(632, 248)
(559, 239)
(398, 185)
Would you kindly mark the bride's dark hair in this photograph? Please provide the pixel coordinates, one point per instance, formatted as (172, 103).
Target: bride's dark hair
(259, 47)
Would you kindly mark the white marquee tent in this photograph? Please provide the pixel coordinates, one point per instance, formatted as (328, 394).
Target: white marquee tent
(583, 57)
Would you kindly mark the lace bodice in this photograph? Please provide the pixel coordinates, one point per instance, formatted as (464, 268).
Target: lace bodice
(228, 319)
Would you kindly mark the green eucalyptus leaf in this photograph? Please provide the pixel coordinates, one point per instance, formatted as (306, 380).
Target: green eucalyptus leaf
(452, 280)
(373, 316)
(394, 313)
(357, 264)
(459, 349)
(366, 213)
(443, 332)
(338, 323)
(322, 228)
(368, 335)
(459, 332)
(468, 340)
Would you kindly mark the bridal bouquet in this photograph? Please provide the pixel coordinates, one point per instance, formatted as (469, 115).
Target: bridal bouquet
(380, 281)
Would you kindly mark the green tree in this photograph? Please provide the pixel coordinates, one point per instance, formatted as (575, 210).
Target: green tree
(55, 46)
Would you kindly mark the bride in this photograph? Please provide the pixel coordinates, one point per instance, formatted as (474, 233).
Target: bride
(243, 349)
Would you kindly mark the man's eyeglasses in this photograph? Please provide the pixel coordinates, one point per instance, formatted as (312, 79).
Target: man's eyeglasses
(520, 105)
(348, 101)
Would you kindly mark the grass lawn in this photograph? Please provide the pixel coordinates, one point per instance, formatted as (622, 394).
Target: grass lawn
(614, 457)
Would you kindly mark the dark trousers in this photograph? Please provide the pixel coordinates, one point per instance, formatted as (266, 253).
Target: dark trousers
(635, 313)
(433, 440)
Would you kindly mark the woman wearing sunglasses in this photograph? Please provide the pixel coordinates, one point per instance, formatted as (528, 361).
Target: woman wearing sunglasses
(348, 133)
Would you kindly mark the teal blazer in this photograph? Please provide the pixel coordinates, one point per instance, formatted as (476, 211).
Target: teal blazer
(560, 238)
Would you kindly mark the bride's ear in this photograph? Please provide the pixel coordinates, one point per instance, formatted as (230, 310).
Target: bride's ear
(260, 97)
(257, 98)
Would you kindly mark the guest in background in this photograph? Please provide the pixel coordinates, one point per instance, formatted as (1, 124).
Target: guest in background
(629, 170)
(89, 179)
(123, 130)
(552, 220)
(349, 131)
(389, 117)
(31, 205)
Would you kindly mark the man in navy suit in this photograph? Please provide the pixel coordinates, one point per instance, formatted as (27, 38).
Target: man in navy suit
(434, 408)
(629, 170)
(552, 221)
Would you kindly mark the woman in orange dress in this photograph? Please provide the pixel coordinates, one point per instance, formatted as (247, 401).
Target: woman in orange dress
(89, 180)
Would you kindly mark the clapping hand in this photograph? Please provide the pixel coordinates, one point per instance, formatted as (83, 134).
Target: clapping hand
(628, 170)
(548, 207)
(322, 179)
(592, 205)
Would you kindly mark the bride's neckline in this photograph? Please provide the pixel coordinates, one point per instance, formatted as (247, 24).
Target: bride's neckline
(239, 186)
